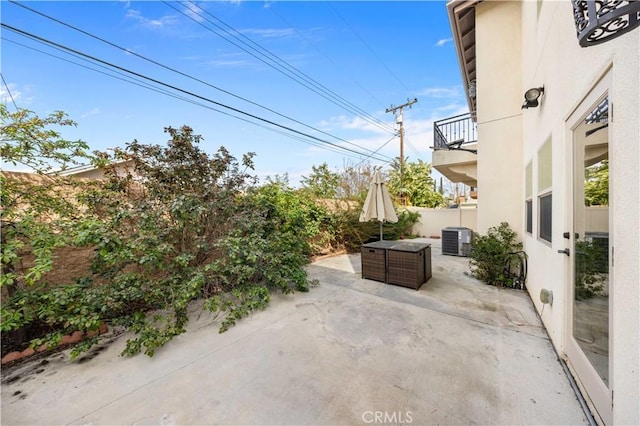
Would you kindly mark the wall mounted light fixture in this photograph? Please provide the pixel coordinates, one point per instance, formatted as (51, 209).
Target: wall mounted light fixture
(531, 97)
(598, 21)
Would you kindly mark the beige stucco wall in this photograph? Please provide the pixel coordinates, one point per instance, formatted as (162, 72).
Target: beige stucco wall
(432, 221)
(552, 57)
(499, 96)
(596, 218)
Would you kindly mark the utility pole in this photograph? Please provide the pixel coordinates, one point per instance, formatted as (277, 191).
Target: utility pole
(397, 111)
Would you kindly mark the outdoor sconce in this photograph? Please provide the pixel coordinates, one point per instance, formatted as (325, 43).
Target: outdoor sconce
(600, 21)
(531, 97)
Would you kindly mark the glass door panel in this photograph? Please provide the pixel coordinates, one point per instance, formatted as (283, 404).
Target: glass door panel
(590, 313)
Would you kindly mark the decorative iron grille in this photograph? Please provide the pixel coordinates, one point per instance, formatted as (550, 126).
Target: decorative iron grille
(598, 21)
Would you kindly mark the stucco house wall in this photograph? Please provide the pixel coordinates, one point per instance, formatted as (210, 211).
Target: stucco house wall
(527, 153)
(552, 57)
(499, 83)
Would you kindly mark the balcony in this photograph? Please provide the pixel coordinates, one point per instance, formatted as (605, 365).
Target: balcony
(458, 132)
(455, 141)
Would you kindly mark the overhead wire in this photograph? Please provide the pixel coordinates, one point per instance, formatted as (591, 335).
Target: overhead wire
(253, 116)
(130, 80)
(367, 46)
(308, 40)
(270, 59)
(351, 107)
(122, 77)
(178, 71)
(363, 41)
(9, 92)
(381, 146)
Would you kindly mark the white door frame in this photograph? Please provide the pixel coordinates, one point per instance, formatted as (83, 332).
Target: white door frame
(600, 396)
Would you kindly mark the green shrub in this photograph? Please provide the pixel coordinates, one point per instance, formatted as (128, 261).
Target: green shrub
(591, 269)
(351, 233)
(490, 253)
(197, 228)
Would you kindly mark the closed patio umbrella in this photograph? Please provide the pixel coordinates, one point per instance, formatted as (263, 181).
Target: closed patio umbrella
(378, 204)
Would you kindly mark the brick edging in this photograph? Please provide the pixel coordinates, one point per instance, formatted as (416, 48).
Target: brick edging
(67, 339)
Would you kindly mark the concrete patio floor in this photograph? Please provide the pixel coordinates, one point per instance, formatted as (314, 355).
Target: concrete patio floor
(351, 351)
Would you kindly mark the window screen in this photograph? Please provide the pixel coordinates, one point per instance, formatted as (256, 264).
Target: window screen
(545, 217)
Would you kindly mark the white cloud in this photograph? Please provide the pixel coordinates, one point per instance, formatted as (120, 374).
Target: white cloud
(353, 123)
(160, 23)
(443, 41)
(94, 111)
(230, 60)
(442, 92)
(270, 32)
(194, 11)
(10, 94)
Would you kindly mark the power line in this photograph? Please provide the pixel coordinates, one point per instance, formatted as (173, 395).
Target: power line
(9, 92)
(122, 77)
(352, 107)
(381, 146)
(135, 82)
(255, 117)
(277, 64)
(180, 72)
(308, 40)
(367, 46)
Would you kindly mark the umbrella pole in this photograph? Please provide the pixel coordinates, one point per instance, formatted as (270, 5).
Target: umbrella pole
(380, 230)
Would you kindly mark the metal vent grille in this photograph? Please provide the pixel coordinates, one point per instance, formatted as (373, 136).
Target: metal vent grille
(450, 242)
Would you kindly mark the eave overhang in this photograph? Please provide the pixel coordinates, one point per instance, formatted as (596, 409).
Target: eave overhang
(462, 19)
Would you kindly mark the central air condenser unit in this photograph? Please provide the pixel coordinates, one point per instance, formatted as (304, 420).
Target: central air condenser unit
(456, 241)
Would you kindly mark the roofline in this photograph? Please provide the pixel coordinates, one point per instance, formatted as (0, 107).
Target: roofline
(82, 168)
(454, 7)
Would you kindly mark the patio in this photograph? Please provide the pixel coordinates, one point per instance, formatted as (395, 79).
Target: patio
(351, 351)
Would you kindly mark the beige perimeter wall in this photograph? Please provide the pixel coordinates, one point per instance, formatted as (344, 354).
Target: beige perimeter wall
(432, 221)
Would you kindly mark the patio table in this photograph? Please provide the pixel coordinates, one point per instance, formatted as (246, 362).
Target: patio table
(402, 263)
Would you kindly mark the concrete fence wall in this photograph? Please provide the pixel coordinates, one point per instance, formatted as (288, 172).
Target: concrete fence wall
(432, 221)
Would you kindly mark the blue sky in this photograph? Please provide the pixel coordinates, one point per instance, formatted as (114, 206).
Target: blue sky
(361, 56)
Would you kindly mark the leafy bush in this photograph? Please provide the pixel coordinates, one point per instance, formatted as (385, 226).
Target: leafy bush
(490, 253)
(351, 233)
(39, 214)
(413, 182)
(591, 269)
(182, 225)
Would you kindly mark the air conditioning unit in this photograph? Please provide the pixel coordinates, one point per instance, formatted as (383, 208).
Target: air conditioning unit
(456, 241)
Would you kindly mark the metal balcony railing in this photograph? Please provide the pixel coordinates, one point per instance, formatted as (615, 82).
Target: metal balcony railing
(455, 132)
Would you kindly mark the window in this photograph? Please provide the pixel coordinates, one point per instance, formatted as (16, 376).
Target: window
(544, 166)
(545, 180)
(527, 195)
(545, 216)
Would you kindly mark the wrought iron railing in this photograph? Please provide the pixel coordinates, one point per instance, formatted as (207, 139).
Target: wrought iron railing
(455, 133)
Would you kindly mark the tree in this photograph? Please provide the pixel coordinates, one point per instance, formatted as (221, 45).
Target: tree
(181, 225)
(322, 182)
(414, 183)
(355, 180)
(38, 215)
(596, 185)
(29, 140)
